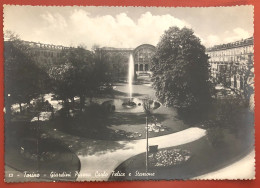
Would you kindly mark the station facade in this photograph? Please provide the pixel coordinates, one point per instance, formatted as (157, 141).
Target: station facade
(142, 56)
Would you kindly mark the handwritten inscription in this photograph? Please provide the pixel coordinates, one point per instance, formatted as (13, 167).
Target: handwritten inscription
(98, 174)
(137, 173)
(118, 173)
(82, 175)
(101, 174)
(60, 175)
(30, 174)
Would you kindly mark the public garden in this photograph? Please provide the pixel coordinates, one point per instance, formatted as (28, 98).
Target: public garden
(83, 120)
(116, 140)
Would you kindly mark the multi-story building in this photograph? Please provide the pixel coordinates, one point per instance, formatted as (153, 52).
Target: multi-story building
(142, 56)
(232, 64)
(45, 54)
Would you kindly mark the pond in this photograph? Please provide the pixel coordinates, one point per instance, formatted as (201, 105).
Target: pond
(106, 118)
(120, 105)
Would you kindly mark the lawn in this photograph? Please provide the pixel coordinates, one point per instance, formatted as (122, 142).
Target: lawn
(95, 130)
(27, 149)
(226, 142)
(205, 157)
(122, 124)
(56, 158)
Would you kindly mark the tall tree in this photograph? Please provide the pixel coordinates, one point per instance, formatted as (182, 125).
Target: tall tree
(119, 66)
(103, 71)
(245, 71)
(24, 80)
(181, 71)
(74, 75)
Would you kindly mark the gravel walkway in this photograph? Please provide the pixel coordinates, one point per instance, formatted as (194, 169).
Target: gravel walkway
(241, 169)
(99, 166)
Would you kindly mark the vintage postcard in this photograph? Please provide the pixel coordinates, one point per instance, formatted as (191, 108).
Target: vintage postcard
(128, 93)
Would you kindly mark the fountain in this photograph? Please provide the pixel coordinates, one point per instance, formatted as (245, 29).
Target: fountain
(130, 102)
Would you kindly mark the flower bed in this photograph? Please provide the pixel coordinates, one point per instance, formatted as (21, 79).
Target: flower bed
(34, 149)
(168, 157)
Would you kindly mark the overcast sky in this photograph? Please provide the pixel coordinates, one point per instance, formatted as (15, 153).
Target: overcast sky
(125, 27)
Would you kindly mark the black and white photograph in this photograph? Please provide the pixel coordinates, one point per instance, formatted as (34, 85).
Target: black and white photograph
(98, 93)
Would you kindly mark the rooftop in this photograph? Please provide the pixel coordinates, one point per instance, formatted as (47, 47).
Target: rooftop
(116, 49)
(236, 44)
(42, 45)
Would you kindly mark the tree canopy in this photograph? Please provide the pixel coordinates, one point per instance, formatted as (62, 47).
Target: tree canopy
(24, 80)
(76, 72)
(181, 70)
(79, 72)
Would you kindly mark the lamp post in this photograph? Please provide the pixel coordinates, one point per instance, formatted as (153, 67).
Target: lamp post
(37, 140)
(147, 150)
(148, 111)
(39, 108)
(8, 108)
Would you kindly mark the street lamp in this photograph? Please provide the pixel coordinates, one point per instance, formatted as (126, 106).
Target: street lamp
(147, 145)
(148, 110)
(37, 140)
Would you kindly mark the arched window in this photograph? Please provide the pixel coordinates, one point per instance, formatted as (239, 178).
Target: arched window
(146, 67)
(136, 67)
(241, 83)
(235, 81)
(141, 67)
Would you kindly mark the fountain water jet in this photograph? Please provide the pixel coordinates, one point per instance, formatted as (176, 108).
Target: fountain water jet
(131, 73)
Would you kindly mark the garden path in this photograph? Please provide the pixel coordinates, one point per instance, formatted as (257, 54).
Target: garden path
(241, 169)
(101, 164)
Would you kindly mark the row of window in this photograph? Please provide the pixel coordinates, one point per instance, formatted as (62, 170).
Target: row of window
(142, 67)
(46, 53)
(232, 58)
(143, 55)
(228, 69)
(234, 82)
(233, 51)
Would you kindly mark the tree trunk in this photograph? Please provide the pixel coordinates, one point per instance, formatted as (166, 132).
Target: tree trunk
(8, 111)
(82, 102)
(73, 102)
(20, 106)
(66, 106)
(90, 97)
(147, 145)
